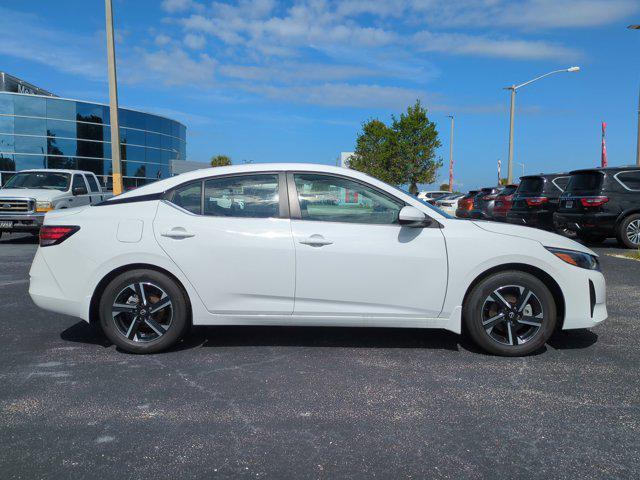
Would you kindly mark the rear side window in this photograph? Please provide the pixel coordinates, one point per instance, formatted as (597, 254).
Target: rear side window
(189, 197)
(585, 182)
(531, 185)
(248, 196)
(629, 180)
(93, 185)
(561, 182)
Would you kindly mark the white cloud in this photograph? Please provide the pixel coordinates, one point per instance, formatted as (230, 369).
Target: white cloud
(462, 44)
(343, 95)
(162, 39)
(174, 6)
(195, 42)
(171, 67)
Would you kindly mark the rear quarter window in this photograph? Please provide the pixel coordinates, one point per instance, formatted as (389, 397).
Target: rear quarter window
(629, 180)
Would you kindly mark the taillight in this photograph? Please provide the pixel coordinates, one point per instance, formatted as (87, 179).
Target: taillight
(593, 201)
(508, 198)
(55, 234)
(489, 197)
(536, 201)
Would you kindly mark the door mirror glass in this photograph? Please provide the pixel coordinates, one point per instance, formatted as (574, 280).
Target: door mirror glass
(80, 190)
(412, 217)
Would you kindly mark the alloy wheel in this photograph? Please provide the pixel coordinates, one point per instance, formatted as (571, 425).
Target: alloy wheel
(633, 232)
(512, 315)
(142, 312)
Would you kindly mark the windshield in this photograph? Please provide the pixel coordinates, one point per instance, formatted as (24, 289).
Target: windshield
(586, 181)
(46, 180)
(531, 185)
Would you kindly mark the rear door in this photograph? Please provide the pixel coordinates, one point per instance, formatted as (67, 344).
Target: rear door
(354, 259)
(95, 195)
(231, 236)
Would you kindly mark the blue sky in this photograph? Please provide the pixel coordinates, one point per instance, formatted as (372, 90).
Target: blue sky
(267, 81)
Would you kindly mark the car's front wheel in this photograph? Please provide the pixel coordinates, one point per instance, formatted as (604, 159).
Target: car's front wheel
(143, 311)
(510, 313)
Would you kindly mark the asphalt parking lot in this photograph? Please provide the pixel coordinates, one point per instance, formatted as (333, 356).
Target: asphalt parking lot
(315, 402)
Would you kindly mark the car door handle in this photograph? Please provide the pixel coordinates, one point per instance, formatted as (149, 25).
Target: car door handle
(178, 232)
(316, 241)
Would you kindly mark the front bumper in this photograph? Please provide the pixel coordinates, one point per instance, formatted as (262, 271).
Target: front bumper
(593, 223)
(22, 222)
(585, 299)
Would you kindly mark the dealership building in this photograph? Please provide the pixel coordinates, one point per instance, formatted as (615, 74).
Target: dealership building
(41, 130)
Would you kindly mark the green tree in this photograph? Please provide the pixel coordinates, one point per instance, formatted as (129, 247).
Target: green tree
(220, 161)
(403, 153)
(444, 187)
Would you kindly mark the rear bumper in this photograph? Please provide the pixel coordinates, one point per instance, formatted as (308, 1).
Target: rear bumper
(541, 219)
(22, 223)
(594, 223)
(480, 215)
(463, 213)
(500, 215)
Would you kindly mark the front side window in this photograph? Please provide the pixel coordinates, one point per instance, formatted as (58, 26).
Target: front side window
(78, 182)
(334, 199)
(189, 197)
(248, 196)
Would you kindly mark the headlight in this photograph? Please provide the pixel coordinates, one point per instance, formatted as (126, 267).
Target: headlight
(43, 206)
(577, 259)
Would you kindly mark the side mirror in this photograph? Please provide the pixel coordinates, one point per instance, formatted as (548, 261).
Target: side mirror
(79, 191)
(412, 217)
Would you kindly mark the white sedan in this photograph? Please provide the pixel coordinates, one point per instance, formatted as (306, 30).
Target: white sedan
(299, 244)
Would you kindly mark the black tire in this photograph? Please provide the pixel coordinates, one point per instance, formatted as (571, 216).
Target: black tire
(627, 233)
(592, 238)
(151, 331)
(505, 335)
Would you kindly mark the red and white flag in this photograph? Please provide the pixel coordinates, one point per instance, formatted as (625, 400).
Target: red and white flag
(499, 165)
(603, 157)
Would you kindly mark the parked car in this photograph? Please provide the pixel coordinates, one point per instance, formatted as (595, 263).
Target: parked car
(432, 195)
(483, 203)
(449, 203)
(465, 204)
(536, 199)
(602, 203)
(503, 202)
(149, 263)
(29, 194)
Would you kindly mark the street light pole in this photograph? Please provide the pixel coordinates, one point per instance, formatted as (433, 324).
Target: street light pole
(451, 155)
(637, 27)
(113, 102)
(513, 89)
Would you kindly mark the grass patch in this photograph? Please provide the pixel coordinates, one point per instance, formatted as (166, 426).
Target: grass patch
(633, 255)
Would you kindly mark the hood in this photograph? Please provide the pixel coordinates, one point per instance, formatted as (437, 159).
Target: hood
(547, 239)
(37, 193)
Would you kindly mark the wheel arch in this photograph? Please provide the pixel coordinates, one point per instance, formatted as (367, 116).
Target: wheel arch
(540, 274)
(626, 213)
(95, 297)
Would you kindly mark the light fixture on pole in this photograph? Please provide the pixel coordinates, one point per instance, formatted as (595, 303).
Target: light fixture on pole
(451, 155)
(513, 89)
(113, 102)
(637, 27)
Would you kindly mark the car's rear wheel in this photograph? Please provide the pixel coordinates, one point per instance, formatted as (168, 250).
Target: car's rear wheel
(629, 231)
(143, 311)
(510, 313)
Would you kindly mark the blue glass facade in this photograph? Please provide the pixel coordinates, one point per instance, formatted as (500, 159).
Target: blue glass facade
(51, 132)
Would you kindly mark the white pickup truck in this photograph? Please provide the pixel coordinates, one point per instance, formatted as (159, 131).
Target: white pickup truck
(29, 194)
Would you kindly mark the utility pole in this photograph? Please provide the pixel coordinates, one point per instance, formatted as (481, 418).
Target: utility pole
(637, 27)
(113, 102)
(451, 155)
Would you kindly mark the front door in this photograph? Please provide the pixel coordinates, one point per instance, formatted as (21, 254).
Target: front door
(353, 258)
(232, 239)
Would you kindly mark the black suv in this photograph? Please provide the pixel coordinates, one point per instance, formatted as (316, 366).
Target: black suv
(536, 199)
(600, 203)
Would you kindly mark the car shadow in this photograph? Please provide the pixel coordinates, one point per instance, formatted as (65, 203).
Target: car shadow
(336, 337)
(572, 339)
(19, 239)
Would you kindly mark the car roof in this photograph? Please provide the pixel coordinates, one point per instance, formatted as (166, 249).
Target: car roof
(54, 170)
(605, 169)
(546, 175)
